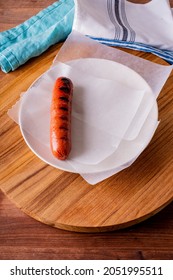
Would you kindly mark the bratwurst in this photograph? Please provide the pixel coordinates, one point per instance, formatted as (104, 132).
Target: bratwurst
(60, 118)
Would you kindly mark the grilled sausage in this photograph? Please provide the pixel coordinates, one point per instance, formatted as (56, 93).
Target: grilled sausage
(60, 121)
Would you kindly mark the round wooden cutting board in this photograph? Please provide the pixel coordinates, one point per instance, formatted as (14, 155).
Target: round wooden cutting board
(63, 199)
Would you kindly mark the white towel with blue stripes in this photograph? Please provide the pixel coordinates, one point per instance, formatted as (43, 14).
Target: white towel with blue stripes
(146, 27)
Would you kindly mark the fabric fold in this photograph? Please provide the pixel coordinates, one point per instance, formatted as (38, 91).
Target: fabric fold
(36, 35)
(164, 54)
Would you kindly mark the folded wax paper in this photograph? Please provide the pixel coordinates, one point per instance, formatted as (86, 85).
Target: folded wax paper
(104, 160)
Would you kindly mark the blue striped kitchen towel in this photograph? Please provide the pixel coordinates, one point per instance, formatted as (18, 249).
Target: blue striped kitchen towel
(144, 27)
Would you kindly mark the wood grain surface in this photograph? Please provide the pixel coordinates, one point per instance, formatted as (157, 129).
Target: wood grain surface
(32, 184)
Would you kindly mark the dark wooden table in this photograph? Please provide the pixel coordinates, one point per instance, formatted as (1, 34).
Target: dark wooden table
(22, 237)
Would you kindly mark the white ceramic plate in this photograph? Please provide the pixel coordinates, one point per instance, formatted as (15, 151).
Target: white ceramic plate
(128, 150)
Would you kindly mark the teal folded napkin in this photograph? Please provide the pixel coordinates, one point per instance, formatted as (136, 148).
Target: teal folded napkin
(37, 34)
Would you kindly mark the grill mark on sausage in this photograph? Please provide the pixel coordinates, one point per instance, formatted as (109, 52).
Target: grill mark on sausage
(65, 89)
(64, 138)
(63, 109)
(63, 127)
(66, 80)
(64, 118)
(64, 98)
